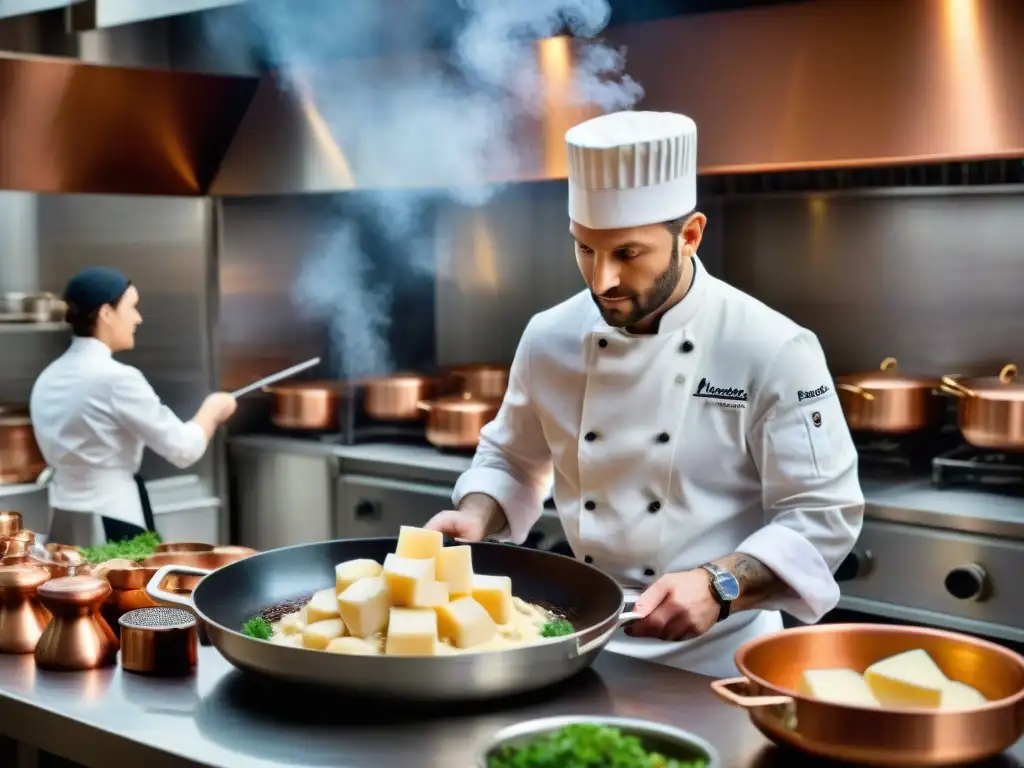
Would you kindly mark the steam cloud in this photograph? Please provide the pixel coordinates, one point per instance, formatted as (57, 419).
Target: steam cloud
(450, 116)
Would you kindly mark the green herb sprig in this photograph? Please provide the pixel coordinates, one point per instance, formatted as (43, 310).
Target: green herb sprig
(258, 628)
(557, 628)
(586, 745)
(136, 548)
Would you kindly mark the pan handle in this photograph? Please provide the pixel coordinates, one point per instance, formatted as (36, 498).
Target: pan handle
(169, 598)
(624, 618)
(724, 690)
(1008, 374)
(889, 364)
(953, 387)
(856, 390)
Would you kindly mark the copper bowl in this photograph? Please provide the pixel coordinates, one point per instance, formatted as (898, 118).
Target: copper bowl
(769, 689)
(217, 557)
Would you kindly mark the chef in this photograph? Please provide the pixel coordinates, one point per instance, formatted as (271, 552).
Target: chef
(92, 417)
(698, 449)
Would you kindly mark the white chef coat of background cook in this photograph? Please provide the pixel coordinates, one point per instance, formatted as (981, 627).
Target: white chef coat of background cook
(675, 473)
(92, 418)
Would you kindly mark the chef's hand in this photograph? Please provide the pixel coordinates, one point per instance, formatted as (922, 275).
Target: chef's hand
(459, 524)
(678, 606)
(222, 405)
(477, 517)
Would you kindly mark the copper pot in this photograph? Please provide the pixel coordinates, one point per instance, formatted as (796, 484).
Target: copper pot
(309, 405)
(396, 398)
(22, 617)
(483, 381)
(20, 459)
(455, 421)
(991, 409)
(769, 689)
(215, 558)
(77, 637)
(886, 402)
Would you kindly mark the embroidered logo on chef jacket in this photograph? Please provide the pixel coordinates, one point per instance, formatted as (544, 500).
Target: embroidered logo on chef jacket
(816, 418)
(811, 394)
(724, 397)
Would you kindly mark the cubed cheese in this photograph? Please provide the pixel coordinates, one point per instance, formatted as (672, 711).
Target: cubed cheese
(405, 577)
(465, 623)
(838, 686)
(353, 646)
(364, 606)
(909, 679)
(419, 543)
(495, 594)
(321, 633)
(412, 632)
(294, 641)
(291, 623)
(455, 566)
(323, 605)
(430, 595)
(348, 573)
(961, 696)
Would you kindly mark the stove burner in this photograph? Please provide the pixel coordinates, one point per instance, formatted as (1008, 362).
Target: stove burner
(990, 470)
(901, 454)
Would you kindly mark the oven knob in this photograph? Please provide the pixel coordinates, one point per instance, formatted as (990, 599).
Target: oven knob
(855, 566)
(367, 510)
(968, 582)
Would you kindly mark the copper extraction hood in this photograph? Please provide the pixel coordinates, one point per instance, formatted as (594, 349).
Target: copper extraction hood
(67, 126)
(820, 84)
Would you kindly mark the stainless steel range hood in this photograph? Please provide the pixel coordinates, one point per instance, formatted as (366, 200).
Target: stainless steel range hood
(819, 84)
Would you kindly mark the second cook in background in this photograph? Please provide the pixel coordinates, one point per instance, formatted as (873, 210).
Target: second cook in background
(698, 447)
(93, 416)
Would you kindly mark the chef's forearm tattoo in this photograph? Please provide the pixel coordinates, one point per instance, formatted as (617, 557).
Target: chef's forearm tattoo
(757, 581)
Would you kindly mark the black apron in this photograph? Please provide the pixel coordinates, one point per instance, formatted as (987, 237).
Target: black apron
(118, 530)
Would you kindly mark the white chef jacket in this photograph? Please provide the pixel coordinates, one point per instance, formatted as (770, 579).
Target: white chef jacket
(720, 433)
(92, 417)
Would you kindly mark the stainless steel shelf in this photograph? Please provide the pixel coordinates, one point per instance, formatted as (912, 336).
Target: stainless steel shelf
(34, 327)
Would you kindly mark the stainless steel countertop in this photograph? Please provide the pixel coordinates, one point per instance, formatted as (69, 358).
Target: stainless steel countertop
(911, 501)
(218, 718)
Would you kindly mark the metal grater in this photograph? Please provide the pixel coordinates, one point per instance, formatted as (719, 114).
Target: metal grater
(158, 618)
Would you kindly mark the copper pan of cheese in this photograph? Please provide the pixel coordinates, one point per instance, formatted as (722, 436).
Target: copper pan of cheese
(417, 617)
(883, 695)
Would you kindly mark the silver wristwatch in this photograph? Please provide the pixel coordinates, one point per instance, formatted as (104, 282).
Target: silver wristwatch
(724, 588)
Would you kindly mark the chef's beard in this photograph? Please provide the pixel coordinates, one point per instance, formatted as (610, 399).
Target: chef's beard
(625, 314)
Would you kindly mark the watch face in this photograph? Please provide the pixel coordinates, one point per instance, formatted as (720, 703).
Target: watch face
(727, 586)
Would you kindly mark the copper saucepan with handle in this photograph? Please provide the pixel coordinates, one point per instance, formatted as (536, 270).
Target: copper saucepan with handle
(454, 421)
(769, 690)
(889, 402)
(397, 397)
(484, 381)
(991, 409)
(306, 405)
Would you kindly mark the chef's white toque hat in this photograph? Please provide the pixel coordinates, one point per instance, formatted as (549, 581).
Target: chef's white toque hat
(629, 169)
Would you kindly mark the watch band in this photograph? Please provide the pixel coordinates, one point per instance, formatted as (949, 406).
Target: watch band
(724, 605)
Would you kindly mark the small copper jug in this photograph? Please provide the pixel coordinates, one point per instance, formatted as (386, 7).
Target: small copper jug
(22, 617)
(77, 637)
(10, 524)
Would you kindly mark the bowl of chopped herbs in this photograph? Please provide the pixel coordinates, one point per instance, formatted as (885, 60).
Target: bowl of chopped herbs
(596, 742)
